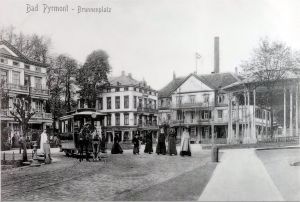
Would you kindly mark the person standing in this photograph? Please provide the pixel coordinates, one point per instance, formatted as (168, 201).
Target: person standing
(103, 143)
(148, 146)
(96, 144)
(81, 145)
(185, 146)
(43, 140)
(116, 148)
(172, 142)
(136, 144)
(161, 142)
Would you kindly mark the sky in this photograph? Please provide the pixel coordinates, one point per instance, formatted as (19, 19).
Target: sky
(151, 39)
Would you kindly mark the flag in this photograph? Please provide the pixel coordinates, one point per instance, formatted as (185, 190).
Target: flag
(198, 56)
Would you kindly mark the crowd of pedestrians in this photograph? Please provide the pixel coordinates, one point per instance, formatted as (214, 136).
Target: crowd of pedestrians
(90, 137)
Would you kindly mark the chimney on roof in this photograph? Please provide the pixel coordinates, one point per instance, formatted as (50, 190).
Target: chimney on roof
(123, 73)
(130, 75)
(174, 75)
(236, 70)
(216, 55)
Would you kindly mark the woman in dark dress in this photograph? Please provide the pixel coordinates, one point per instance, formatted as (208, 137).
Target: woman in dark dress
(161, 145)
(172, 142)
(103, 144)
(148, 147)
(116, 148)
(136, 145)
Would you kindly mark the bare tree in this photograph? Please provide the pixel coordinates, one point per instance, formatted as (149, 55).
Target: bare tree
(22, 113)
(270, 64)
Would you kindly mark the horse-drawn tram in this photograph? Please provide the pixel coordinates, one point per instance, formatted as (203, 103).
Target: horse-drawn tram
(71, 125)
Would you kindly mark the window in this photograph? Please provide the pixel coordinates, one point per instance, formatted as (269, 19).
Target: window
(192, 115)
(192, 99)
(38, 106)
(108, 102)
(220, 114)
(108, 90)
(38, 82)
(126, 119)
(100, 103)
(206, 115)
(16, 78)
(117, 89)
(26, 80)
(4, 75)
(135, 119)
(140, 102)
(134, 102)
(179, 100)
(154, 104)
(27, 66)
(126, 89)
(108, 120)
(145, 103)
(221, 98)
(17, 64)
(117, 119)
(206, 98)
(38, 69)
(126, 101)
(117, 102)
(3, 60)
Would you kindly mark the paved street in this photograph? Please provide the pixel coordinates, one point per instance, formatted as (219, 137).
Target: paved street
(123, 177)
(240, 176)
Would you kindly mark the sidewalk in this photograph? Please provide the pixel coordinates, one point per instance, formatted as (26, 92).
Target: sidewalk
(240, 176)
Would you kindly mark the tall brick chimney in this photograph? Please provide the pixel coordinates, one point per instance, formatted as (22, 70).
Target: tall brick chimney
(216, 55)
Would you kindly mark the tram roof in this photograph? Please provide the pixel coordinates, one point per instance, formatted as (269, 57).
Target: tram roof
(83, 113)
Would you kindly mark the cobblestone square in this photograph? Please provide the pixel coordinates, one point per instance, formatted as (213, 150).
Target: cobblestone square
(122, 177)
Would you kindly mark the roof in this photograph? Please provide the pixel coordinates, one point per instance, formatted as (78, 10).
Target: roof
(20, 57)
(127, 80)
(214, 81)
(218, 80)
(170, 87)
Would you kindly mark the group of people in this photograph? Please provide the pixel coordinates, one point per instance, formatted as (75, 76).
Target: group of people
(170, 135)
(89, 136)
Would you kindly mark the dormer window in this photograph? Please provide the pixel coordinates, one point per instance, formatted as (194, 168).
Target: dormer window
(117, 89)
(221, 98)
(27, 66)
(17, 64)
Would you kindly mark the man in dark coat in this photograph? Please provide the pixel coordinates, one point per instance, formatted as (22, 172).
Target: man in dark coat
(148, 147)
(136, 145)
(172, 142)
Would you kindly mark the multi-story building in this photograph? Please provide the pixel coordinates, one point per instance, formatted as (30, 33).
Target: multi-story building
(19, 75)
(130, 107)
(200, 103)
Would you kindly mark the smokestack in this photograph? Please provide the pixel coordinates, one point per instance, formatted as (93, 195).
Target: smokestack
(216, 55)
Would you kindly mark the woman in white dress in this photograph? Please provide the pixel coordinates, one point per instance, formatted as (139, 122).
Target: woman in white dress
(44, 139)
(185, 146)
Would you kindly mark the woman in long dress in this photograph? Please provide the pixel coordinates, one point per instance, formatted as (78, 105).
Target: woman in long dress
(172, 142)
(161, 142)
(116, 148)
(185, 143)
(148, 147)
(43, 140)
(136, 145)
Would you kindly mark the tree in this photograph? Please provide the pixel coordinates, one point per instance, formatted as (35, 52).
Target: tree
(22, 113)
(92, 77)
(33, 46)
(269, 65)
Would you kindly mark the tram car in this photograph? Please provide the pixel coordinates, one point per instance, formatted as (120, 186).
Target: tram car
(71, 124)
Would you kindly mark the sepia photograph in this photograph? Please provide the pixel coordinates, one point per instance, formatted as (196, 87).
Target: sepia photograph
(150, 100)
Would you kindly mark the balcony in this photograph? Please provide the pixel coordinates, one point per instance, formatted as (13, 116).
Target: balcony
(18, 87)
(147, 110)
(148, 126)
(188, 105)
(37, 115)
